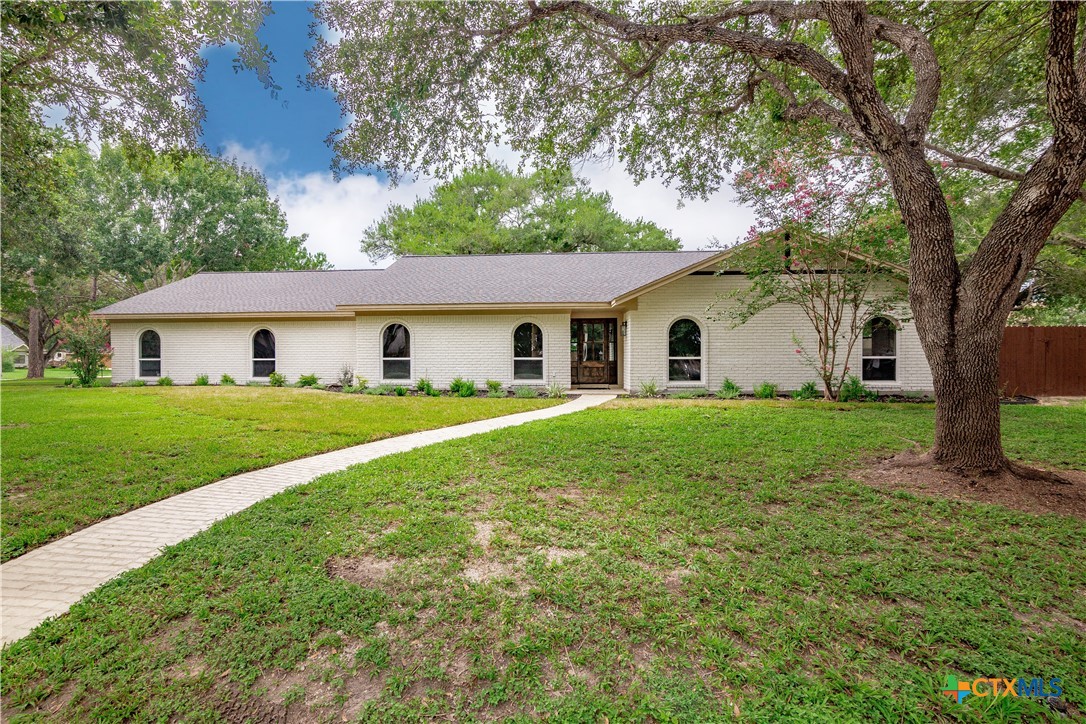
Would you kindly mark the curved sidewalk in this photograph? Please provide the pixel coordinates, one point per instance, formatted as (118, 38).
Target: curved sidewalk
(46, 581)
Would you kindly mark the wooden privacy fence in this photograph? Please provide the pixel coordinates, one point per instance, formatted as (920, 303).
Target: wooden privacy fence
(1043, 361)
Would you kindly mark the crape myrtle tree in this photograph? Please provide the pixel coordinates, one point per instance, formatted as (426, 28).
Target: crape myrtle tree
(113, 70)
(682, 90)
(825, 242)
(489, 209)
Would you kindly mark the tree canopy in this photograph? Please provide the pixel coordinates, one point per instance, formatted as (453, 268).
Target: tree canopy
(489, 209)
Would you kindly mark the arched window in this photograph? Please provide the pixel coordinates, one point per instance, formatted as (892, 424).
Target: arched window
(396, 353)
(880, 350)
(528, 352)
(684, 351)
(263, 353)
(150, 354)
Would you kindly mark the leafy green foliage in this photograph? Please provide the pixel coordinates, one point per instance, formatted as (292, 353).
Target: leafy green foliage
(165, 381)
(201, 380)
(276, 379)
(77, 456)
(226, 380)
(400, 390)
(648, 389)
(854, 390)
(425, 386)
(308, 381)
(661, 561)
(492, 210)
(87, 341)
(460, 387)
(555, 391)
(766, 391)
(728, 390)
(807, 391)
(525, 392)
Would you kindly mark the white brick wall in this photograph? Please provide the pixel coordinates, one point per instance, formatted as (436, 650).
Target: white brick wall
(473, 346)
(213, 347)
(479, 346)
(760, 350)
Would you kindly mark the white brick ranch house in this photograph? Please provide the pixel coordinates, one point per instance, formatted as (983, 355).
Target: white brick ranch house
(615, 319)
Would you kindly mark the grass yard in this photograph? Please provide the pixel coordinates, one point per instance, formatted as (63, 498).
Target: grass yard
(664, 561)
(52, 374)
(72, 457)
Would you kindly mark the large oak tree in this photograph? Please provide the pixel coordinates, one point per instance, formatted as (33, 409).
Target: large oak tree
(684, 89)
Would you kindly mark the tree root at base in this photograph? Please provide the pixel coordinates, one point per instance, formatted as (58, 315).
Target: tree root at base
(1005, 468)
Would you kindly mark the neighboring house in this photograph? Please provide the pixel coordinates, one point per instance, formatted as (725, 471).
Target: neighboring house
(614, 319)
(10, 341)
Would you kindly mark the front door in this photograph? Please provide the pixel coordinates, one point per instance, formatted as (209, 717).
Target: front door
(593, 352)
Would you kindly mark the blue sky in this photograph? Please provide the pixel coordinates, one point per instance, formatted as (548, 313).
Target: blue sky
(293, 126)
(285, 138)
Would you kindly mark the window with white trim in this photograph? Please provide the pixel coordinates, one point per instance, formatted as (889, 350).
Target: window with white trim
(528, 352)
(684, 351)
(150, 354)
(879, 350)
(263, 353)
(396, 353)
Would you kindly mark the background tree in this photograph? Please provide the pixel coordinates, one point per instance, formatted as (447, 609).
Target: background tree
(183, 210)
(826, 242)
(489, 209)
(123, 223)
(114, 70)
(684, 89)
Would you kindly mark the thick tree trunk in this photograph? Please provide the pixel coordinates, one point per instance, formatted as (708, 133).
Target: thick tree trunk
(35, 357)
(966, 380)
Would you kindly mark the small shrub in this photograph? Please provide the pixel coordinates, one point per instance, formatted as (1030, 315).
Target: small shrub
(853, 390)
(379, 390)
(728, 390)
(400, 390)
(766, 391)
(462, 388)
(134, 383)
(346, 376)
(201, 381)
(308, 381)
(165, 381)
(227, 381)
(87, 340)
(68, 381)
(809, 391)
(425, 386)
(493, 387)
(9, 360)
(555, 391)
(277, 380)
(361, 384)
(525, 392)
(648, 389)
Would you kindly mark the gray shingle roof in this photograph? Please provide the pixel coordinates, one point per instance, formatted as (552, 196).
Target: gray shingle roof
(583, 278)
(8, 339)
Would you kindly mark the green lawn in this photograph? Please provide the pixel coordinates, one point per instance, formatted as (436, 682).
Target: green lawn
(75, 456)
(52, 374)
(670, 562)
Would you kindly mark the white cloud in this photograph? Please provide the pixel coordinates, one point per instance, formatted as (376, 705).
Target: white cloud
(334, 214)
(695, 224)
(260, 157)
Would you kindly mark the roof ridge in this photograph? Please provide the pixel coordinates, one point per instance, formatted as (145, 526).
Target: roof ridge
(560, 253)
(284, 271)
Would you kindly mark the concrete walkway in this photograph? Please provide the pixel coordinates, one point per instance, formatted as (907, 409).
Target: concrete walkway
(46, 581)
